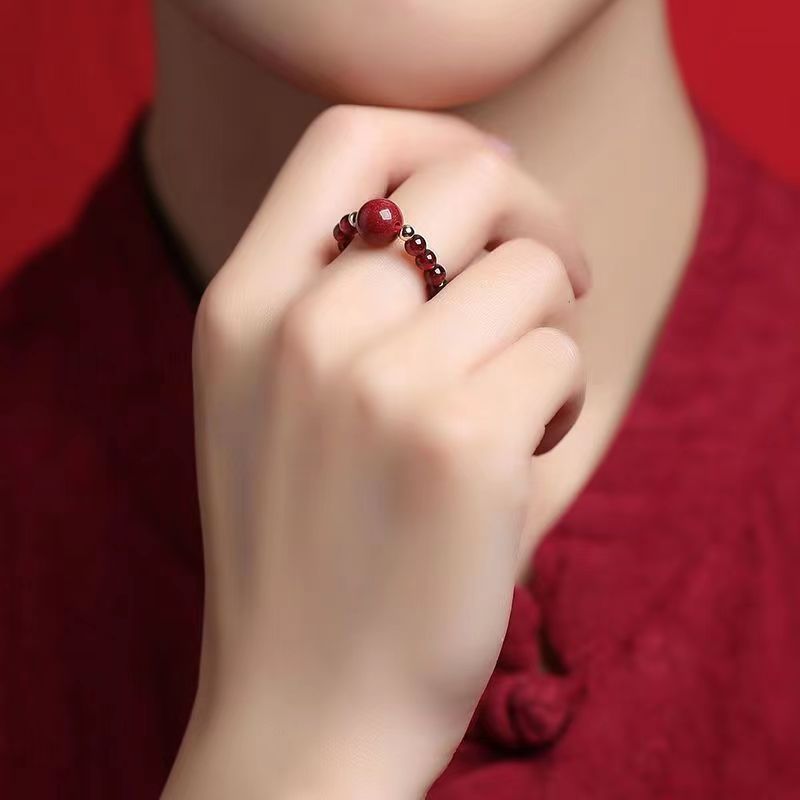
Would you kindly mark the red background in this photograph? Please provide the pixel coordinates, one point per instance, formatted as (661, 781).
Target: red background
(74, 73)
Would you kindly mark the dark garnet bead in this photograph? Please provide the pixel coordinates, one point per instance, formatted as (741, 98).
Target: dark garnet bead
(339, 234)
(379, 221)
(416, 245)
(427, 260)
(344, 244)
(435, 276)
(434, 290)
(344, 224)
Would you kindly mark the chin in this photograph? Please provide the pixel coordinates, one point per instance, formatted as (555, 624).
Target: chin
(386, 81)
(386, 69)
(408, 53)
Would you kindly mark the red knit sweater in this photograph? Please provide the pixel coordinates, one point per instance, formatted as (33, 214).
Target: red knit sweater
(670, 589)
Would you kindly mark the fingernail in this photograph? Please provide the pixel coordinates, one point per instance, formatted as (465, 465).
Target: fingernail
(504, 146)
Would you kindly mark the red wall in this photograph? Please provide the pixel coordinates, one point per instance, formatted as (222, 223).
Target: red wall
(741, 59)
(73, 72)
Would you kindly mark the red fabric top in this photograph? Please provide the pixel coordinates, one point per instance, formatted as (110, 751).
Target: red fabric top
(669, 589)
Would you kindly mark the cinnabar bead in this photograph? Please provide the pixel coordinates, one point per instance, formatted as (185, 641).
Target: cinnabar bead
(416, 245)
(427, 260)
(344, 224)
(379, 221)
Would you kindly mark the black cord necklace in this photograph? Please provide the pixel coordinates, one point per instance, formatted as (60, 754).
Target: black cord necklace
(177, 251)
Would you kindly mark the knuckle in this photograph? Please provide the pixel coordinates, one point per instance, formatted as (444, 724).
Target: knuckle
(486, 164)
(446, 444)
(219, 327)
(553, 273)
(550, 265)
(560, 348)
(300, 338)
(349, 124)
(375, 388)
(543, 266)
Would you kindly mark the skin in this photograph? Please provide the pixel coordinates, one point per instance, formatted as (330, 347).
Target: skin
(366, 468)
(409, 53)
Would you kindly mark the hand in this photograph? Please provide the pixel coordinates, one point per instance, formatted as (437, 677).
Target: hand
(364, 458)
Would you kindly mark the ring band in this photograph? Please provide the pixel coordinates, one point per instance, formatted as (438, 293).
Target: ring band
(380, 222)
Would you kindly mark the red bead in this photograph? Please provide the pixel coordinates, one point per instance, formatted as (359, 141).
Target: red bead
(379, 221)
(344, 224)
(427, 260)
(434, 290)
(435, 276)
(416, 245)
(340, 234)
(344, 244)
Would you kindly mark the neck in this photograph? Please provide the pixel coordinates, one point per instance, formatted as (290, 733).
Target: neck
(604, 124)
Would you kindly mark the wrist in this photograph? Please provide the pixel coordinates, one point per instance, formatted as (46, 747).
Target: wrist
(245, 754)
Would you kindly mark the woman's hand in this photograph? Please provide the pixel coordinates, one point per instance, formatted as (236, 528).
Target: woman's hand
(364, 459)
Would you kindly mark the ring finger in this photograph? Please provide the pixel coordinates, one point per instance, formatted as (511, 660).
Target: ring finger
(519, 286)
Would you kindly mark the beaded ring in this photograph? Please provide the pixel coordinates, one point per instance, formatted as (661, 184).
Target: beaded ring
(380, 222)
